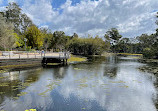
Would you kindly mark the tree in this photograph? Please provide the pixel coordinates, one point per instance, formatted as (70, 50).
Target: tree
(113, 37)
(19, 40)
(34, 37)
(87, 46)
(25, 22)
(47, 37)
(75, 35)
(20, 21)
(157, 17)
(7, 36)
(58, 41)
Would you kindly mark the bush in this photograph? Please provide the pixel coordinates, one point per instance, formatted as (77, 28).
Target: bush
(87, 46)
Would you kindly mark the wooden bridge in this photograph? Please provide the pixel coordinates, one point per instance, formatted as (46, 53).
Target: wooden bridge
(61, 58)
(22, 57)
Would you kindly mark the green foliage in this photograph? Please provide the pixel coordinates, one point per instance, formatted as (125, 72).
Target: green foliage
(112, 37)
(34, 37)
(19, 41)
(7, 36)
(149, 45)
(148, 53)
(28, 48)
(59, 41)
(87, 46)
(20, 21)
(47, 37)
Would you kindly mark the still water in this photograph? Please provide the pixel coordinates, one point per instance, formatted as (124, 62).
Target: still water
(101, 84)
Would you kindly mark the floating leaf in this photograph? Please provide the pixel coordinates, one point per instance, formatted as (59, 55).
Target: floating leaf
(116, 81)
(124, 86)
(4, 84)
(78, 69)
(2, 92)
(22, 94)
(83, 85)
(15, 97)
(28, 80)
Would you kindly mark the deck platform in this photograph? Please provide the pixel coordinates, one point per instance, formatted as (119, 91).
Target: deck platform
(13, 58)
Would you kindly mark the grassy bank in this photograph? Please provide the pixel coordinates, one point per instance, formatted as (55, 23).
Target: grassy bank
(74, 58)
(129, 54)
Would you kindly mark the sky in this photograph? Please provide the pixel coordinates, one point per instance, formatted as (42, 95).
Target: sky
(95, 17)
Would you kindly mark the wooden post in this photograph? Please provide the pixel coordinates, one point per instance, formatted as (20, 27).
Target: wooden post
(9, 55)
(27, 55)
(35, 54)
(66, 61)
(63, 61)
(19, 58)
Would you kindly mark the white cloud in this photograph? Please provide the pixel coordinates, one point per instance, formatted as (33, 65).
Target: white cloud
(98, 16)
(40, 11)
(9, 1)
(2, 8)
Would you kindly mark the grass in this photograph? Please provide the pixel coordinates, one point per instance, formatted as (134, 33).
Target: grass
(128, 54)
(76, 59)
(2, 71)
(17, 66)
(53, 63)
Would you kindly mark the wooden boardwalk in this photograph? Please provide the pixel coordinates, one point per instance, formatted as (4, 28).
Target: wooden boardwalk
(17, 57)
(25, 55)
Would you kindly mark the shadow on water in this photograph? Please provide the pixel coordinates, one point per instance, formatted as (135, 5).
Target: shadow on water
(58, 71)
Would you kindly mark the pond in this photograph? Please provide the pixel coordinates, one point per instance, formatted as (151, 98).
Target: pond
(101, 84)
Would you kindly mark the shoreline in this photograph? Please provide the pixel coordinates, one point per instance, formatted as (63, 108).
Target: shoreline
(150, 67)
(71, 60)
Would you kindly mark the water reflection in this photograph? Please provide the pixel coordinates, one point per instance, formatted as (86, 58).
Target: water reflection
(13, 83)
(109, 84)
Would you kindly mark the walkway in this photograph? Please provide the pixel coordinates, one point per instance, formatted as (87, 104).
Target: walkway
(24, 55)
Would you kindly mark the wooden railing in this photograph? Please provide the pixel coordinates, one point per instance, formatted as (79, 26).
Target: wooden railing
(64, 54)
(31, 54)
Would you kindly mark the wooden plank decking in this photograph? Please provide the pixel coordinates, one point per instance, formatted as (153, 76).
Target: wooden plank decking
(25, 55)
(13, 58)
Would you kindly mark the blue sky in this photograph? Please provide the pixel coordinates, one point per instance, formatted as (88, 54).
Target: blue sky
(94, 17)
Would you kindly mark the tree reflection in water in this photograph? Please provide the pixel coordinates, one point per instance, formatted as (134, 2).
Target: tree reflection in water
(13, 83)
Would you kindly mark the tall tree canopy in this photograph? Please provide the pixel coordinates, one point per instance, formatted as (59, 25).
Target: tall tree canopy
(34, 37)
(13, 14)
(7, 35)
(58, 40)
(113, 35)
